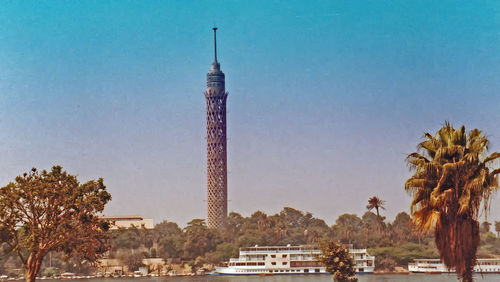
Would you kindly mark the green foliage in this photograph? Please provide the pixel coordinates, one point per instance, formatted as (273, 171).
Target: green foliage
(497, 228)
(402, 226)
(199, 239)
(48, 272)
(346, 227)
(132, 260)
(488, 238)
(403, 254)
(197, 243)
(395, 245)
(51, 211)
(337, 260)
(127, 239)
(485, 227)
(387, 263)
(225, 251)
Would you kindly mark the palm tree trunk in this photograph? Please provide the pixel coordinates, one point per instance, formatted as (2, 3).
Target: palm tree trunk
(467, 275)
(379, 227)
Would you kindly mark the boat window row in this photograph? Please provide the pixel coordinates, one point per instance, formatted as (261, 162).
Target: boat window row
(488, 270)
(305, 263)
(364, 263)
(488, 262)
(246, 263)
(278, 270)
(301, 257)
(259, 249)
(295, 270)
(283, 256)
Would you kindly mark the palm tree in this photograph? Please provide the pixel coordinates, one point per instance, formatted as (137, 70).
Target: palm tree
(453, 178)
(375, 203)
(485, 226)
(497, 228)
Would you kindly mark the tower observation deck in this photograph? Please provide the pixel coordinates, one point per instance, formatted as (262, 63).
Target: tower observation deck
(216, 96)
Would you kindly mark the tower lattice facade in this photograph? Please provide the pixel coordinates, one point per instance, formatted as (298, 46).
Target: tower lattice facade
(216, 96)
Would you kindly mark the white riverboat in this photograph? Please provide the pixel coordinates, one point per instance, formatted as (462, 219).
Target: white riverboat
(436, 266)
(278, 260)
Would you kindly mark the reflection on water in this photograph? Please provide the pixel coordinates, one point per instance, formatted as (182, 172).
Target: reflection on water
(315, 278)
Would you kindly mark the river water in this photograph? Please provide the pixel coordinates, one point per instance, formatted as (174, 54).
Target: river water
(310, 278)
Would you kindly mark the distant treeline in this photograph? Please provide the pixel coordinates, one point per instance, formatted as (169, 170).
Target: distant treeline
(394, 243)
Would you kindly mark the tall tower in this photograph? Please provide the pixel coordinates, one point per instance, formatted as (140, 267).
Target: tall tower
(216, 144)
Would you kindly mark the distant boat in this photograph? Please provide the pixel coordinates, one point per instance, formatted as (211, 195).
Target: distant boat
(67, 275)
(282, 260)
(430, 266)
(138, 274)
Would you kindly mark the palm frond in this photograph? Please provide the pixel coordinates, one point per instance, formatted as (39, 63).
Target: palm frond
(426, 219)
(453, 178)
(494, 156)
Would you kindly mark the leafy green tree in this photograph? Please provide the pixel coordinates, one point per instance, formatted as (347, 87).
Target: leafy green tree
(199, 239)
(132, 260)
(402, 254)
(369, 221)
(312, 236)
(127, 239)
(346, 227)
(260, 220)
(401, 227)
(223, 252)
(169, 239)
(338, 261)
(171, 247)
(453, 178)
(167, 229)
(51, 211)
(232, 228)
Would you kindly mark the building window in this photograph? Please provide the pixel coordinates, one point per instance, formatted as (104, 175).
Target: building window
(273, 256)
(284, 263)
(284, 256)
(273, 263)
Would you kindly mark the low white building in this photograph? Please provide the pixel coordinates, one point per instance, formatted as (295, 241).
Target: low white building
(117, 222)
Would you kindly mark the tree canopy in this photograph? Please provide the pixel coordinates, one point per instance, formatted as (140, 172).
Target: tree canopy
(338, 261)
(453, 178)
(43, 211)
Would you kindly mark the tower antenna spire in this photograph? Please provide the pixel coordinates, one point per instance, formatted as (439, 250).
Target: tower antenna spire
(215, 43)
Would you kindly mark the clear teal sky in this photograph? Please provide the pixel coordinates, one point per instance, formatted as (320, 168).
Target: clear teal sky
(325, 99)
